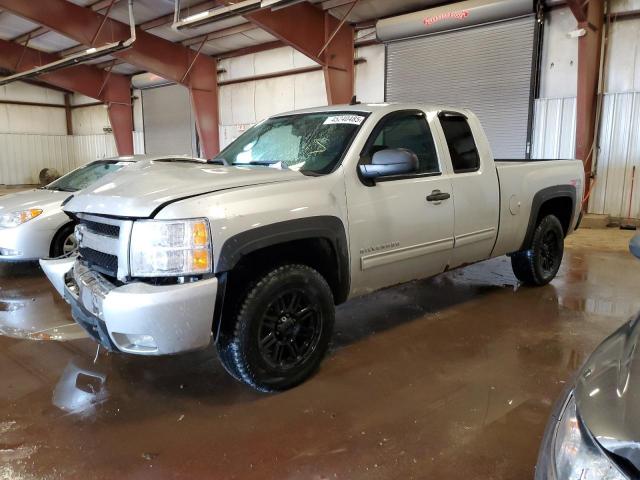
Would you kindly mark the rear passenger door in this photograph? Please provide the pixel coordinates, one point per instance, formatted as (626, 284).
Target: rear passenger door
(475, 188)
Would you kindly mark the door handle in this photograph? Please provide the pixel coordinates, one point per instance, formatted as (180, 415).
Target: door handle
(438, 196)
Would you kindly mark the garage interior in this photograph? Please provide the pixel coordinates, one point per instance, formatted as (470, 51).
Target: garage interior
(449, 377)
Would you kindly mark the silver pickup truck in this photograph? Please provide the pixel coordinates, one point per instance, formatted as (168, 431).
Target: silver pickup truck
(302, 212)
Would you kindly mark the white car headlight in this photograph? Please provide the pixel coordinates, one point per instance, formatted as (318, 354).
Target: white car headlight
(576, 454)
(13, 219)
(170, 248)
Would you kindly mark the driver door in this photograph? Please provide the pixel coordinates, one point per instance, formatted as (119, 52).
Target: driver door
(401, 227)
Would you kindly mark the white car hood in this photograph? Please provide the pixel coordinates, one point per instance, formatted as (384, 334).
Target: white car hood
(138, 191)
(40, 198)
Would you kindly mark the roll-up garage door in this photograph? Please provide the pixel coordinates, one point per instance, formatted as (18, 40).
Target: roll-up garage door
(169, 124)
(486, 68)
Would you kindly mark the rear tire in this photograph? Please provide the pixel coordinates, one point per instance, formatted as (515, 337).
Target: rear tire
(64, 241)
(540, 264)
(281, 331)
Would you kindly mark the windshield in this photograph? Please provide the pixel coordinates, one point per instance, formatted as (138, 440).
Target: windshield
(85, 176)
(312, 143)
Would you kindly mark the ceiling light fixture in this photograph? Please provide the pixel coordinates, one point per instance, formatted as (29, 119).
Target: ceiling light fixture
(229, 11)
(89, 54)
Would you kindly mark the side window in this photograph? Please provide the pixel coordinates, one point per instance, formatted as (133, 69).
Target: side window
(462, 147)
(410, 131)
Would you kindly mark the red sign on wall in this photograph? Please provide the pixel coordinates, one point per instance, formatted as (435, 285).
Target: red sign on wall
(457, 15)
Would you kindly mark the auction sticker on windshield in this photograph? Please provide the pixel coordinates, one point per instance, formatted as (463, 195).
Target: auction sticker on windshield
(342, 119)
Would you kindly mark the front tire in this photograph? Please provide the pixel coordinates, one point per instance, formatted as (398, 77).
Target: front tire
(540, 264)
(281, 331)
(64, 242)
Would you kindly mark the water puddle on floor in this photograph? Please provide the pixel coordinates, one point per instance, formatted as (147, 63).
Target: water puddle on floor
(11, 306)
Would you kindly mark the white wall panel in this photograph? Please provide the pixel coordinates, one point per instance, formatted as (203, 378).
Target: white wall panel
(30, 119)
(559, 62)
(309, 90)
(554, 128)
(370, 74)
(22, 156)
(90, 120)
(24, 92)
(623, 57)
(244, 104)
(275, 96)
(619, 154)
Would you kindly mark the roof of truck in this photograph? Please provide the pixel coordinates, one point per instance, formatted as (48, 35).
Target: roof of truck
(376, 107)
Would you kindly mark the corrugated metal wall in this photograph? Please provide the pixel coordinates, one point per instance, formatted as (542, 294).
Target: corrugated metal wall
(618, 153)
(23, 156)
(554, 128)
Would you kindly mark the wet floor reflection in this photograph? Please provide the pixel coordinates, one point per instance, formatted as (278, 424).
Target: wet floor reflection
(30, 308)
(81, 388)
(451, 377)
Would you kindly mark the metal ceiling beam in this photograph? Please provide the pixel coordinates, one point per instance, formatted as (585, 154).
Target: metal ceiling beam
(114, 90)
(319, 36)
(38, 32)
(589, 53)
(149, 52)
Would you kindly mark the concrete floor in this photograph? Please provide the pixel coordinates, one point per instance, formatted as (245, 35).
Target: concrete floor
(452, 377)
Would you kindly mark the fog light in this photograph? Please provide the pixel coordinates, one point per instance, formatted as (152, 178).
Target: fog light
(7, 252)
(133, 342)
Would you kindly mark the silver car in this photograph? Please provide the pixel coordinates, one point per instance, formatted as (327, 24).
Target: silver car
(32, 223)
(594, 431)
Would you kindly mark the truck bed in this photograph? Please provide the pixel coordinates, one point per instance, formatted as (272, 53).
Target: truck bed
(520, 181)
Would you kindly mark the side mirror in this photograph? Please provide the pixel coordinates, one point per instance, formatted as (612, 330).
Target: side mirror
(390, 162)
(634, 246)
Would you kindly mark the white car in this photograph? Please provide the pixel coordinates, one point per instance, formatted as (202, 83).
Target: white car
(32, 223)
(302, 212)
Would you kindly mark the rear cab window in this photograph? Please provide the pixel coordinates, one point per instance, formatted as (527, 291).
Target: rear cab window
(460, 142)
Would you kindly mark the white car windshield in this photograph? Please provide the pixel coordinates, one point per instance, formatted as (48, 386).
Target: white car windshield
(313, 143)
(85, 176)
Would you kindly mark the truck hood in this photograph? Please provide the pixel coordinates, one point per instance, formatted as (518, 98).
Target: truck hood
(608, 393)
(138, 191)
(37, 198)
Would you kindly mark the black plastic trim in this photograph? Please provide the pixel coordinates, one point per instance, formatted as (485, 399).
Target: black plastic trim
(95, 327)
(544, 195)
(221, 294)
(244, 243)
(390, 178)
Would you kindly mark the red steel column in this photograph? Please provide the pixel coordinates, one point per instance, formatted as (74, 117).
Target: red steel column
(591, 18)
(117, 95)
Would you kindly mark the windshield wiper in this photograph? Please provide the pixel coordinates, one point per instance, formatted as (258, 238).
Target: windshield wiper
(219, 161)
(59, 189)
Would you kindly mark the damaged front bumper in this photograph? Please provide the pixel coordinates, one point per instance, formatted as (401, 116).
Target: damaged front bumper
(137, 317)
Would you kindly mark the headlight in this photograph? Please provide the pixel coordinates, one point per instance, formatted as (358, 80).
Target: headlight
(170, 248)
(14, 219)
(576, 455)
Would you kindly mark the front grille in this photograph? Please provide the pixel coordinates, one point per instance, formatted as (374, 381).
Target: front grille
(101, 262)
(102, 228)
